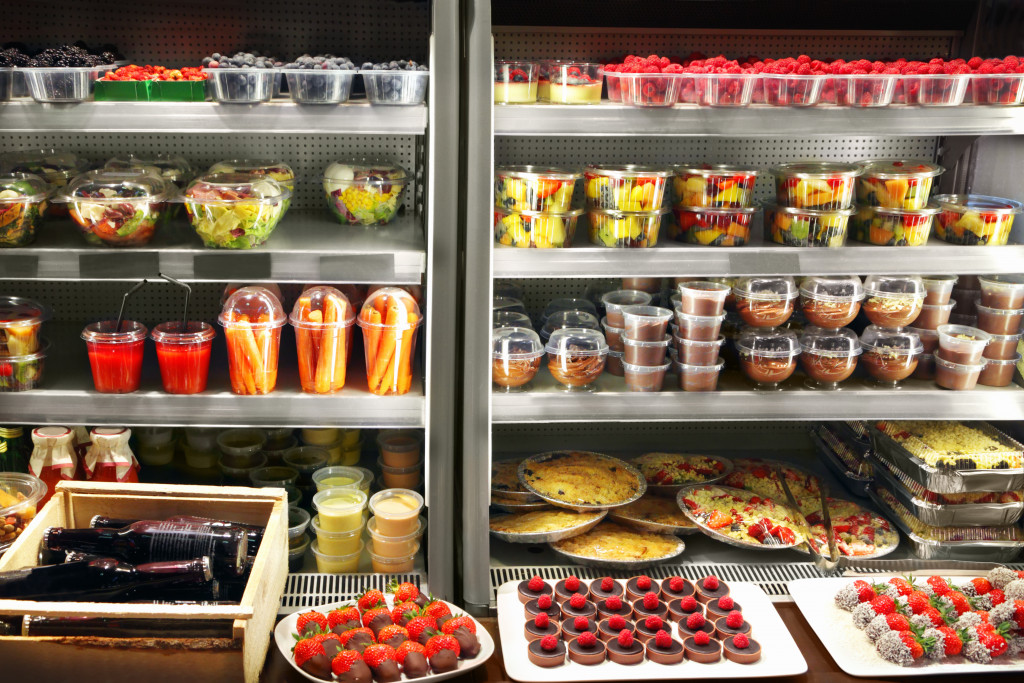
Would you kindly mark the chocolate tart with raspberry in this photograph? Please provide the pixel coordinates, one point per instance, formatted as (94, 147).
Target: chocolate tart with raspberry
(688, 628)
(678, 610)
(716, 609)
(639, 586)
(606, 610)
(664, 649)
(533, 608)
(570, 629)
(552, 655)
(646, 629)
(604, 588)
(748, 654)
(731, 625)
(703, 651)
(569, 586)
(624, 649)
(650, 606)
(609, 629)
(676, 588)
(538, 588)
(534, 630)
(587, 649)
(578, 606)
(706, 593)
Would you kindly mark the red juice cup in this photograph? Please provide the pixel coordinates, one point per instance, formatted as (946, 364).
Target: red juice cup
(115, 356)
(184, 357)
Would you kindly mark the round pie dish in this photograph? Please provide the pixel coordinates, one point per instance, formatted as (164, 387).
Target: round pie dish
(551, 525)
(717, 522)
(612, 546)
(581, 480)
(666, 473)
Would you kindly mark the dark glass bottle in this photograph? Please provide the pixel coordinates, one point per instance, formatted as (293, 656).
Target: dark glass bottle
(151, 541)
(253, 533)
(14, 450)
(105, 580)
(104, 627)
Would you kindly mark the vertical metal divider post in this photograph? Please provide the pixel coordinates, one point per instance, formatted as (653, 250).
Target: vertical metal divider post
(476, 298)
(442, 286)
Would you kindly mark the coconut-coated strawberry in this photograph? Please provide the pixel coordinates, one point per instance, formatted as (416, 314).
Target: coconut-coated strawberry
(981, 585)
(997, 596)
(916, 650)
(441, 642)
(918, 602)
(312, 621)
(897, 622)
(952, 642)
(883, 604)
(462, 621)
(939, 585)
(960, 602)
(902, 586)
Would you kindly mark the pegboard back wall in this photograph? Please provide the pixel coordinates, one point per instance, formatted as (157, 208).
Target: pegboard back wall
(610, 45)
(308, 155)
(182, 33)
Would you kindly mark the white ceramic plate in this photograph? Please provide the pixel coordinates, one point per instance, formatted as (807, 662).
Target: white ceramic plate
(780, 654)
(285, 641)
(854, 652)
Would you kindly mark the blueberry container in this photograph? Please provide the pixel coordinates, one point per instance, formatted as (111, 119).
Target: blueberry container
(319, 86)
(242, 86)
(396, 87)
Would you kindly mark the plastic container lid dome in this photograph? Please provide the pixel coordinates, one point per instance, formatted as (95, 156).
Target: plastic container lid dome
(772, 342)
(766, 288)
(887, 340)
(516, 343)
(314, 299)
(841, 343)
(236, 188)
(390, 308)
(110, 186)
(833, 287)
(909, 286)
(23, 187)
(577, 341)
(260, 307)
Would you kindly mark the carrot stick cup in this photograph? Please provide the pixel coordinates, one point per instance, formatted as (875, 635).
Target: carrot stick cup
(390, 320)
(252, 319)
(322, 318)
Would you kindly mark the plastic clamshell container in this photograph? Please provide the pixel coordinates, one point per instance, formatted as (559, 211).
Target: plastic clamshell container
(999, 373)
(956, 376)
(616, 300)
(535, 230)
(790, 90)
(390, 319)
(1002, 291)
(795, 227)
(242, 86)
(23, 202)
(816, 185)
(404, 88)
(896, 183)
(1004, 89)
(576, 356)
(892, 227)
(260, 168)
(115, 356)
(893, 300)
(962, 344)
(570, 82)
(322, 319)
(117, 208)
(831, 301)
(235, 210)
(172, 169)
(938, 288)
(644, 378)
(698, 377)
(649, 89)
(545, 189)
(724, 90)
(829, 356)
(936, 90)
(712, 227)
(890, 355)
(21, 321)
(395, 546)
(625, 187)
(765, 301)
(364, 192)
(515, 82)
(516, 354)
(56, 168)
(974, 219)
(625, 229)
(62, 84)
(768, 356)
(319, 86)
(501, 319)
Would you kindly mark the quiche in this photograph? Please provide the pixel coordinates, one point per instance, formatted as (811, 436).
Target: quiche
(504, 477)
(951, 533)
(542, 521)
(948, 444)
(580, 478)
(741, 516)
(653, 510)
(666, 469)
(613, 542)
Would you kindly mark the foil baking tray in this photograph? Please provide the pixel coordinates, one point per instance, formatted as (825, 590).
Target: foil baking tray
(855, 480)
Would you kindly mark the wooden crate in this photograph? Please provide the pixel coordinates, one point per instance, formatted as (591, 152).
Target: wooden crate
(210, 660)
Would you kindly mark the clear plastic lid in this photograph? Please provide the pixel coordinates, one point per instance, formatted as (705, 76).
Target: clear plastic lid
(17, 312)
(766, 288)
(254, 307)
(364, 171)
(574, 318)
(516, 343)
(772, 342)
(569, 304)
(278, 170)
(322, 305)
(1014, 280)
(507, 303)
(796, 211)
(900, 168)
(833, 287)
(885, 340)
(898, 286)
(390, 308)
(48, 163)
(628, 171)
(510, 319)
(577, 341)
(107, 186)
(103, 332)
(172, 169)
(841, 343)
(818, 170)
(236, 188)
(23, 187)
(930, 210)
(537, 172)
(978, 202)
(171, 332)
(715, 169)
(625, 297)
(540, 215)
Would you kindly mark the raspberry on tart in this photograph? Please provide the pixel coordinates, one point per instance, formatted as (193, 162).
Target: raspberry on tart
(663, 649)
(676, 588)
(540, 626)
(547, 652)
(731, 625)
(578, 606)
(650, 605)
(638, 586)
(694, 624)
(569, 586)
(679, 610)
(648, 627)
(702, 648)
(572, 628)
(614, 605)
(720, 607)
(711, 587)
(533, 589)
(543, 604)
(604, 588)
(741, 649)
(625, 649)
(587, 649)
(610, 628)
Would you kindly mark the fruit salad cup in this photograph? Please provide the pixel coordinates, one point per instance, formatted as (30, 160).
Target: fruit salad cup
(183, 355)
(360, 193)
(534, 188)
(21, 320)
(171, 168)
(515, 82)
(974, 219)
(56, 168)
(765, 301)
(115, 355)
(818, 185)
(896, 184)
(768, 357)
(893, 227)
(712, 227)
(805, 227)
(117, 208)
(625, 187)
(389, 319)
(322, 319)
(625, 229)
(893, 301)
(252, 319)
(261, 168)
(890, 356)
(23, 201)
(570, 82)
(516, 354)
(714, 186)
(535, 230)
(831, 301)
(235, 210)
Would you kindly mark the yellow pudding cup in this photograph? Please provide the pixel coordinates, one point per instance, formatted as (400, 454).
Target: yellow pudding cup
(350, 454)
(393, 565)
(400, 447)
(397, 511)
(320, 437)
(401, 477)
(337, 544)
(338, 478)
(340, 510)
(337, 564)
(395, 546)
(350, 438)
(367, 480)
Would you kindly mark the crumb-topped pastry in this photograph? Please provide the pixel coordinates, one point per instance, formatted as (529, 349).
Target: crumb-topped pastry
(654, 510)
(504, 477)
(954, 445)
(661, 469)
(610, 541)
(580, 478)
(541, 521)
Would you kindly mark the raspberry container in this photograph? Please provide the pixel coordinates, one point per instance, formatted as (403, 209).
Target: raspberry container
(534, 230)
(625, 187)
(831, 301)
(1002, 291)
(862, 90)
(724, 90)
(932, 316)
(999, 373)
(712, 227)
(698, 377)
(896, 184)
(1002, 346)
(818, 185)
(936, 90)
(570, 82)
(62, 84)
(242, 86)
(890, 356)
(515, 82)
(693, 352)
(893, 300)
(828, 356)
(560, 320)
(956, 376)
(1005, 89)
(790, 90)
(765, 301)
(972, 219)
(644, 378)
(938, 288)
(534, 188)
(625, 229)
(650, 89)
(396, 87)
(768, 357)
(616, 300)
(697, 327)
(1000, 321)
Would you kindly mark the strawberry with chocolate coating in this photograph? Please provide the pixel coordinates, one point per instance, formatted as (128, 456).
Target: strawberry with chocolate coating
(404, 612)
(392, 635)
(357, 639)
(348, 667)
(412, 657)
(377, 618)
(310, 623)
(344, 618)
(463, 629)
(310, 656)
(404, 592)
(370, 599)
(421, 628)
(443, 653)
(381, 660)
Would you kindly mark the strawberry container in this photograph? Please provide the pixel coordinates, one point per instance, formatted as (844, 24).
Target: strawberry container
(892, 227)
(712, 227)
(724, 90)
(1005, 89)
(973, 219)
(819, 185)
(535, 230)
(789, 90)
(649, 90)
(805, 227)
(715, 186)
(626, 187)
(935, 90)
(860, 90)
(534, 188)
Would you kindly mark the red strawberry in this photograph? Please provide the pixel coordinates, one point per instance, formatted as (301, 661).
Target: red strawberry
(643, 582)
(997, 596)
(536, 584)
(614, 603)
(404, 592)
(437, 609)
(347, 635)
(405, 611)
(370, 599)
(960, 602)
(916, 650)
(541, 621)
(375, 655)
(626, 639)
(407, 647)
(653, 623)
(711, 582)
(650, 601)
(865, 593)
(343, 615)
(695, 621)
(441, 642)
(462, 621)
(883, 604)
(306, 650)
(897, 622)
(939, 585)
(918, 602)
(313, 619)
(700, 637)
(741, 641)
(617, 622)
(577, 601)
(572, 584)
(548, 643)
(1018, 614)
(935, 616)
(418, 625)
(734, 620)
(981, 586)
(993, 641)
(344, 660)
(676, 584)
(902, 586)
(544, 602)
(952, 641)
(587, 639)
(389, 632)
(370, 615)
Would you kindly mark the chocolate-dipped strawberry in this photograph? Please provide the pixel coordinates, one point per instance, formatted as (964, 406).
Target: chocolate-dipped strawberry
(381, 660)
(720, 607)
(614, 605)
(357, 639)
(709, 588)
(604, 588)
(348, 667)
(578, 606)
(587, 649)
(663, 649)
(343, 619)
(411, 656)
(741, 649)
(679, 610)
(463, 629)
(569, 586)
(393, 635)
(443, 653)
(547, 652)
(402, 613)
(421, 628)
(695, 623)
(702, 648)
(649, 627)
(676, 588)
(546, 604)
(610, 628)
(331, 642)
(533, 589)
(310, 657)
(624, 649)
(650, 606)
(407, 592)
(376, 619)
(731, 625)
(638, 586)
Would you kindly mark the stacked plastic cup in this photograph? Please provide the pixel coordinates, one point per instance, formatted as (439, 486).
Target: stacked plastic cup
(713, 204)
(696, 340)
(533, 207)
(395, 530)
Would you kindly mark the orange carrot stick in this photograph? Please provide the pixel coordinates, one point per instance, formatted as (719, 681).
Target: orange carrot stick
(328, 347)
(371, 342)
(388, 340)
(405, 368)
(341, 358)
(304, 346)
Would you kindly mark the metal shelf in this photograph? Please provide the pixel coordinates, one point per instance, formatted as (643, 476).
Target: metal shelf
(736, 400)
(25, 115)
(306, 246)
(672, 259)
(756, 121)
